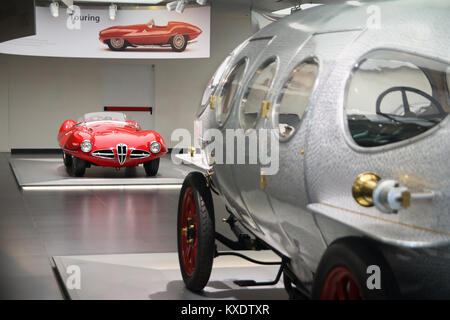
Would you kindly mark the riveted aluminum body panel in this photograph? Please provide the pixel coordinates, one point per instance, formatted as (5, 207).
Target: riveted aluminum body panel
(308, 204)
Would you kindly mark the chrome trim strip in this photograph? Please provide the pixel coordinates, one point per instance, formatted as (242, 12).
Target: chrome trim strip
(103, 154)
(139, 154)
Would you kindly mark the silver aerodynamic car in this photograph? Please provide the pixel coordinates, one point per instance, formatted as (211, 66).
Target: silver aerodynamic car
(351, 102)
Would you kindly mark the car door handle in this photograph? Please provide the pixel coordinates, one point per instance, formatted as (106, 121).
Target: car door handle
(390, 196)
(387, 195)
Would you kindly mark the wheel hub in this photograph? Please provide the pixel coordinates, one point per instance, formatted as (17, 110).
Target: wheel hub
(117, 42)
(178, 41)
(340, 284)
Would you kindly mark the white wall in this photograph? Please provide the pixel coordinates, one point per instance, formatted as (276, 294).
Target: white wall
(38, 93)
(4, 114)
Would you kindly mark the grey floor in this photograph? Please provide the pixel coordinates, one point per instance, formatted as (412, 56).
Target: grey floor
(36, 225)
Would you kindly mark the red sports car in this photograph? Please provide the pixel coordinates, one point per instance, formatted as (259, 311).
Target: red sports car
(108, 139)
(175, 34)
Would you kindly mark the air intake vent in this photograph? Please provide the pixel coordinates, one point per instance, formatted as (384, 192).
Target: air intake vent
(104, 154)
(139, 154)
(122, 151)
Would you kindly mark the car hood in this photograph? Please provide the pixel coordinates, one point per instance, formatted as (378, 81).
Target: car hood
(105, 136)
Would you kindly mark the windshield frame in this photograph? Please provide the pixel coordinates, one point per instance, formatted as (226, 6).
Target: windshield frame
(115, 117)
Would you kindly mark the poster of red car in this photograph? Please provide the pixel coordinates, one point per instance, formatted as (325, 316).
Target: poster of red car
(174, 34)
(147, 33)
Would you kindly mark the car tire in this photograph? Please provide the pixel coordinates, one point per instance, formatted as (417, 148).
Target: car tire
(77, 167)
(179, 42)
(67, 159)
(343, 273)
(116, 44)
(151, 167)
(196, 245)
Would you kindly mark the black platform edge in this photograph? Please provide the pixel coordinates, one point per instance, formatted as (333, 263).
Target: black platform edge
(37, 150)
(59, 280)
(15, 176)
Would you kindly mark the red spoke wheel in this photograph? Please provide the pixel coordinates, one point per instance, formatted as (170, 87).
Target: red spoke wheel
(343, 273)
(340, 284)
(188, 232)
(196, 231)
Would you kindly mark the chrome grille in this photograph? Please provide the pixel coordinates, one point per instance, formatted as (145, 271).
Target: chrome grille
(122, 151)
(104, 154)
(139, 154)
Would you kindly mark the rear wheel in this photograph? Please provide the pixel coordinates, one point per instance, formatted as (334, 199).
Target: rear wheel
(195, 229)
(344, 271)
(151, 167)
(178, 42)
(116, 44)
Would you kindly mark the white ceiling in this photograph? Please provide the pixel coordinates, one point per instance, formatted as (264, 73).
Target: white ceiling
(265, 5)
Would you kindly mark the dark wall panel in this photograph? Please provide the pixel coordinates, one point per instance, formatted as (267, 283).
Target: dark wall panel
(17, 19)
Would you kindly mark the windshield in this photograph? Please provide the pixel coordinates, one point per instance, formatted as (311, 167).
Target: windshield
(103, 116)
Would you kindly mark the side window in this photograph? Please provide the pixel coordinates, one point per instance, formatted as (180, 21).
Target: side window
(294, 97)
(212, 84)
(255, 93)
(228, 91)
(392, 97)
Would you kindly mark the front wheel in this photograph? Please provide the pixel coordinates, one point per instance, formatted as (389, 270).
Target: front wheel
(195, 229)
(116, 44)
(350, 269)
(67, 159)
(151, 167)
(179, 42)
(77, 167)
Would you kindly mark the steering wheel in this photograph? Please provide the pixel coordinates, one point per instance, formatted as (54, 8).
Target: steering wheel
(406, 106)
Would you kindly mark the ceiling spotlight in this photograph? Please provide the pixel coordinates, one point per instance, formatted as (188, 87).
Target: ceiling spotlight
(112, 11)
(171, 6)
(202, 2)
(180, 6)
(54, 9)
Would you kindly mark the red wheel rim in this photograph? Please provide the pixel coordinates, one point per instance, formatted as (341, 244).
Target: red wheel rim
(340, 284)
(188, 231)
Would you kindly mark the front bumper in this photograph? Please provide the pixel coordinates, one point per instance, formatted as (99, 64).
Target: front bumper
(114, 162)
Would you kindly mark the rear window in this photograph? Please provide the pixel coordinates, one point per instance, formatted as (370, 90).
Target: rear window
(393, 97)
(229, 89)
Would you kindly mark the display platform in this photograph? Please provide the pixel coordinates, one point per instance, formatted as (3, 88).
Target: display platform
(157, 276)
(48, 170)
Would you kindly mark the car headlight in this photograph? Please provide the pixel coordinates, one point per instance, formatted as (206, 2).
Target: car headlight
(155, 147)
(86, 146)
